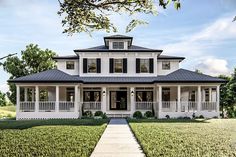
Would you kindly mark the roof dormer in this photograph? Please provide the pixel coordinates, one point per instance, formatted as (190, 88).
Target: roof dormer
(118, 42)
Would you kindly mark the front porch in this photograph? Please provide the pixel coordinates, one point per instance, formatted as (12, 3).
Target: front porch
(67, 101)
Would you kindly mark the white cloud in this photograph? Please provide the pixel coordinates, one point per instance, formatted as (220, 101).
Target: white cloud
(213, 66)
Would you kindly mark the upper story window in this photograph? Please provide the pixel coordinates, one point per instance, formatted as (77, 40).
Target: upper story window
(118, 65)
(144, 65)
(166, 65)
(70, 65)
(118, 45)
(92, 66)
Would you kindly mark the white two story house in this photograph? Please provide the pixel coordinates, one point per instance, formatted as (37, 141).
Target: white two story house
(117, 78)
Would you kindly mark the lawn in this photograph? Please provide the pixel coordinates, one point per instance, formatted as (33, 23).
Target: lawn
(50, 137)
(187, 137)
(7, 112)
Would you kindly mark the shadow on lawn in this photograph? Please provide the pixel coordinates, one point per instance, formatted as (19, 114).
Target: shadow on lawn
(25, 124)
(167, 121)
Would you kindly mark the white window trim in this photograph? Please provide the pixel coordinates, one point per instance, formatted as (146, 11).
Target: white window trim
(73, 63)
(163, 63)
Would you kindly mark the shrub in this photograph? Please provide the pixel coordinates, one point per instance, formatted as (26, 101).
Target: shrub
(137, 114)
(98, 113)
(167, 117)
(88, 114)
(148, 114)
(104, 116)
(201, 117)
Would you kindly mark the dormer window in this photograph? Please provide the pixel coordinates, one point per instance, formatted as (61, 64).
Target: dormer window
(118, 45)
(70, 65)
(166, 65)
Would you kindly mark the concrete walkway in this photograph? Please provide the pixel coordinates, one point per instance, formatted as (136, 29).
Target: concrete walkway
(117, 141)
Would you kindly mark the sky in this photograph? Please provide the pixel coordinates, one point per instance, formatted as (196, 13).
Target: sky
(202, 31)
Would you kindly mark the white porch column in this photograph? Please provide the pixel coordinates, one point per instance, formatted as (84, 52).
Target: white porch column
(199, 100)
(218, 100)
(76, 99)
(26, 94)
(210, 94)
(57, 99)
(179, 96)
(17, 99)
(37, 99)
(104, 99)
(132, 101)
(160, 99)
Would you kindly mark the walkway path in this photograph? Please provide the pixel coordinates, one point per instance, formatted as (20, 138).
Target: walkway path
(117, 141)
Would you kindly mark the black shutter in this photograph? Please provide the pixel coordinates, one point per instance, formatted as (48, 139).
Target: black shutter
(98, 65)
(137, 65)
(111, 65)
(150, 65)
(85, 65)
(124, 65)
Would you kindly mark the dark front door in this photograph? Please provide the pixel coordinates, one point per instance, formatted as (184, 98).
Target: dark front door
(118, 100)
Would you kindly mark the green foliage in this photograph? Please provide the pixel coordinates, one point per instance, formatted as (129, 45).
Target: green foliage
(3, 101)
(185, 137)
(50, 137)
(33, 60)
(98, 113)
(7, 112)
(104, 116)
(88, 114)
(148, 114)
(138, 115)
(88, 16)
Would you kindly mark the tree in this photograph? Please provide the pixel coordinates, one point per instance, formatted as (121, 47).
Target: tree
(3, 101)
(33, 60)
(89, 15)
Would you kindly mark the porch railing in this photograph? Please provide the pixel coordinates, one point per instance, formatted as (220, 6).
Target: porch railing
(169, 106)
(28, 106)
(92, 105)
(47, 106)
(66, 106)
(188, 106)
(146, 105)
(208, 106)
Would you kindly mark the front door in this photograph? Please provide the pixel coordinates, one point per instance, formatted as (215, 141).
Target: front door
(118, 100)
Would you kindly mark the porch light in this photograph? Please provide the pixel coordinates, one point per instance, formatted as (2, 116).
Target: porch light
(132, 93)
(104, 92)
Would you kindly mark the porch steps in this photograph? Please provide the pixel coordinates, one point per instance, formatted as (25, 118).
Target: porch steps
(118, 115)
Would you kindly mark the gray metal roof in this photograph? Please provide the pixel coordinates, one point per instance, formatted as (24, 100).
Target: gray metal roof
(53, 75)
(118, 36)
(66, 57)
(178, 76)
(170, 57)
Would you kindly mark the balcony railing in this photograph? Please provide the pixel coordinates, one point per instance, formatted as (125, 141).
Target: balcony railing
(188, 106)
(66, 106)
(47, 106)
(145, 105)
(209, 106)
(169, 106)
(92, 105)
(27, 106)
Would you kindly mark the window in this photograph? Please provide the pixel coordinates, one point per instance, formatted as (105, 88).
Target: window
(118, 45)
(144, 65)
(144, 96)
(166, 65)
(192, 96)
(92, 66)
(166, 94)
(70, 65)
(207, 95)
(70, 94)
(92, 96)
(118, 65)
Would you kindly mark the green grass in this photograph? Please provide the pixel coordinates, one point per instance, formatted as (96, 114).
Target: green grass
(50, 137)
(186, 137)
(7, 111)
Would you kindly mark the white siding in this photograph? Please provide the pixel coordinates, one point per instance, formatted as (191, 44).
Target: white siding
(61, 65)
(174, 65)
